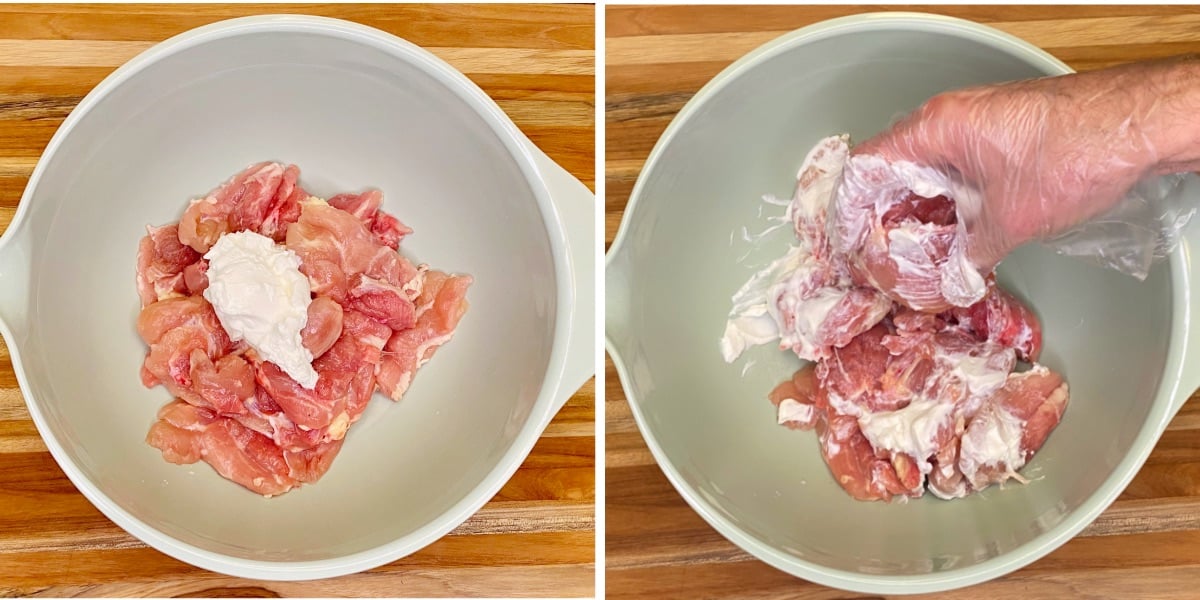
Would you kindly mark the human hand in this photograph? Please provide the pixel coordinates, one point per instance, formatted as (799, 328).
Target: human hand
(1023, 161)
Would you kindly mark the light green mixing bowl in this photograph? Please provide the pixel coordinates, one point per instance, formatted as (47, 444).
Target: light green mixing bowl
(1123, 345)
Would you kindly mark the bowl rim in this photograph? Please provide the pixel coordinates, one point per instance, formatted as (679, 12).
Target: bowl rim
(544, 406)
(1160, 413)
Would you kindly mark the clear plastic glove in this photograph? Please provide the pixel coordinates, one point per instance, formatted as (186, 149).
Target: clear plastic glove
(1083, 162)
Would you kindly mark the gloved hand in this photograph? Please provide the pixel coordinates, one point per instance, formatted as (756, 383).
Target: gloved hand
(1074, 161)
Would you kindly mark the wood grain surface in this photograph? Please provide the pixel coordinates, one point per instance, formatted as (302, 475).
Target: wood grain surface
(1147, 545)
(535, 538)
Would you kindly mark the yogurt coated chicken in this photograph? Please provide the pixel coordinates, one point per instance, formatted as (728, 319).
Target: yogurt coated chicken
(901, 400)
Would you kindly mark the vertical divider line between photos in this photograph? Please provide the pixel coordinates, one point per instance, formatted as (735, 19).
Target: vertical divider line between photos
(599, 114)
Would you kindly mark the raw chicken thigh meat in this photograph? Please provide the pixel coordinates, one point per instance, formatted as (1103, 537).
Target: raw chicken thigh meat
(373, 320)
(901, 400)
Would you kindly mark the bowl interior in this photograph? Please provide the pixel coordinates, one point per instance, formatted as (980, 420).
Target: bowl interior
(351, 116)
(712, 420)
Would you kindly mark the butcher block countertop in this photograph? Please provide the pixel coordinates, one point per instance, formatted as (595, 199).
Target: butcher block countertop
(536, 537)
(1147, 545)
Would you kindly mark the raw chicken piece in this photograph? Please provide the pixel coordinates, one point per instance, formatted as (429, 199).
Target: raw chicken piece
(156, 320)
(363, 206)
(815, 184)
(242, 415)
(382, 301)
(796, 400)
(162, 263)
(195, 277)
(899, 398)
(309, 409)
(1012, 426)
(335, 248)
(903, 252)
(891, 221)
(1003, 319)
(860, 469)
(356, 355)
(854, 376)
(225, 385)
(438, 309)
(816, 310)
(176, 329)
(186, 434)
(864, 473)
(284, 208)
(346, 379)
(241, 203)
(388, 230)
(911, 385)
(324, 325)
(806, 299)
(308, 465)
(946, 480)
(266, 417)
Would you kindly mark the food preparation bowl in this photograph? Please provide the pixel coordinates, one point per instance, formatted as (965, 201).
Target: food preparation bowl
(355, 108)
(1125, 346)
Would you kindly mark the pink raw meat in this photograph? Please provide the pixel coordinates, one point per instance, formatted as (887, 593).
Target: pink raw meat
(899, 397)
(335, 248)
(310, 464)
(388, 230)
(240, 204)
(804, 390)
(244, 416)
(224, 385)
(356, 355)
(324, 325)
(1003, 319)
(363, 206)
(284, 208)
(346, 379)
(914, 356)
(266, 417)
(162, 263)
(854, 463)
(1018, 419)
(855, 375)
(175, 329)
(382, 301)
(858, 311)
(195, 277)
(186, 434)
(858, 468)
(309, 409)
(439, 307)
(905, 249)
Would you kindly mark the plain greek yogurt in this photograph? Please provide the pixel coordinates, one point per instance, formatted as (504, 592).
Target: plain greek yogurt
(261, 296)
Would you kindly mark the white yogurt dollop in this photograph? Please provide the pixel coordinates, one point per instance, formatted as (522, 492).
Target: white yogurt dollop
(261, 296)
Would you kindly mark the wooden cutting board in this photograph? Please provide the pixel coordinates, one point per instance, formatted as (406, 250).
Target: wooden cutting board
(1146, 545)
(536, 537)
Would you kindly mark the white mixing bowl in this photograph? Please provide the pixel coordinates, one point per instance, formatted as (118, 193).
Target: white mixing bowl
(354, 108)
(1123, 345)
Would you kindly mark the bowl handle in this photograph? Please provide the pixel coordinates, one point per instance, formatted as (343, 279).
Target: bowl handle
(14, 279)
(576, 207)
(616, 299)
